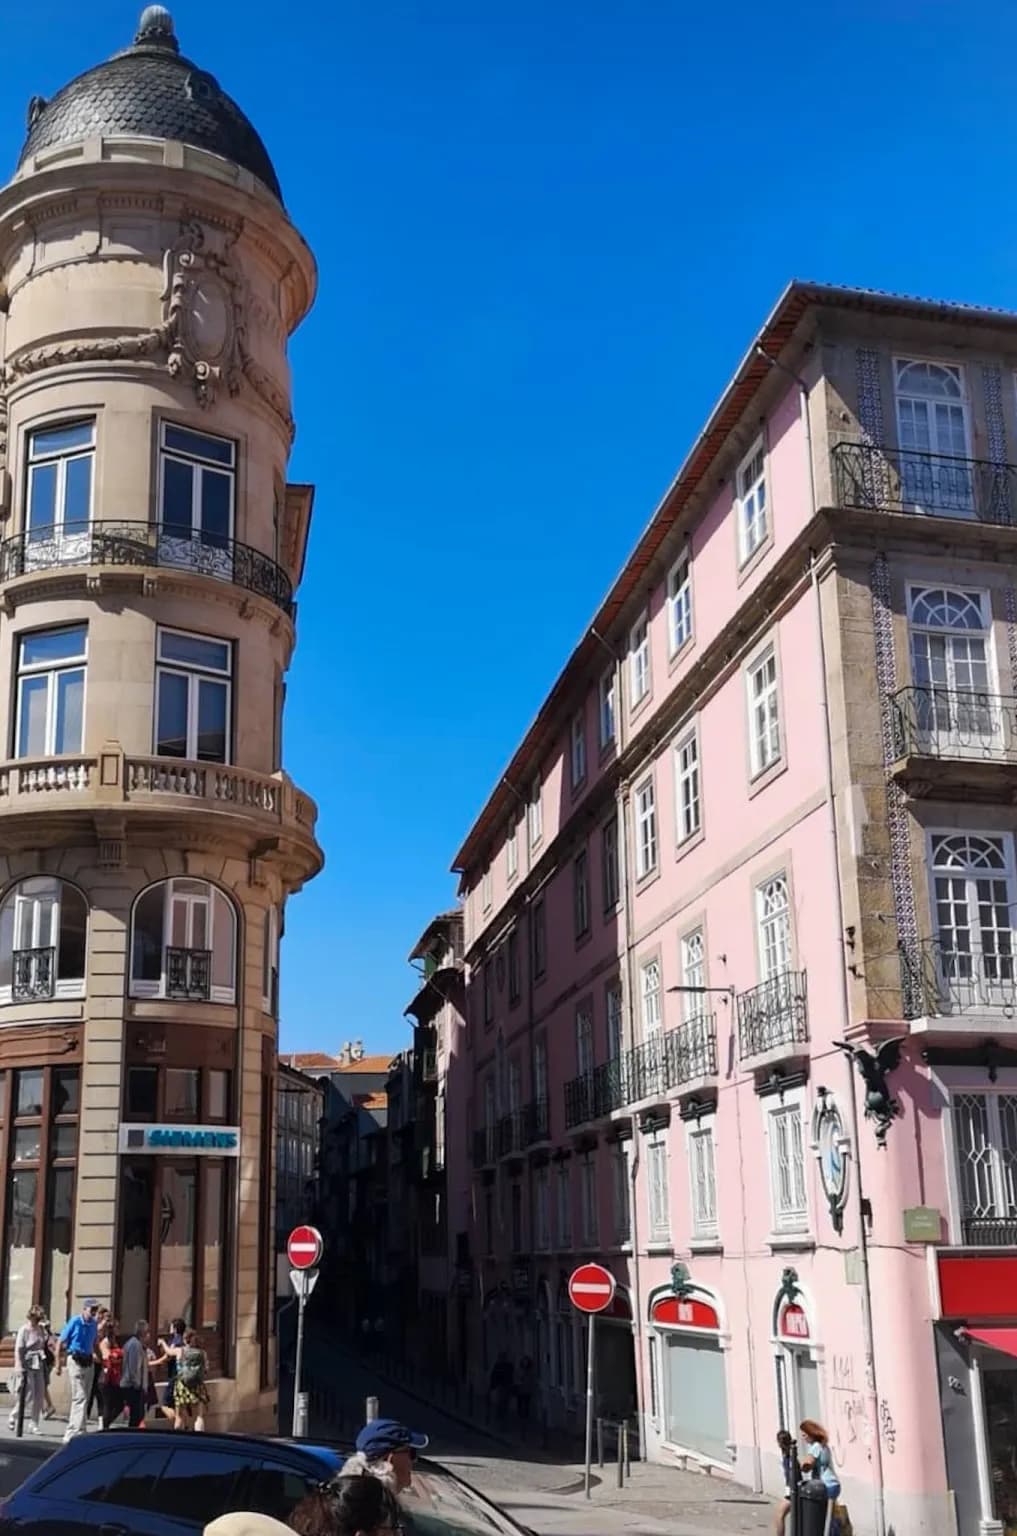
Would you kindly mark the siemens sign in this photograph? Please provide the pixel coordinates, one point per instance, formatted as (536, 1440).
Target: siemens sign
(191, 1140)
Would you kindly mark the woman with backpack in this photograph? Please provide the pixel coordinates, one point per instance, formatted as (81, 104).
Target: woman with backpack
(190, 1394)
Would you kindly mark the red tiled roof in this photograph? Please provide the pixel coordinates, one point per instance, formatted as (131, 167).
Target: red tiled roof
(304, 1059)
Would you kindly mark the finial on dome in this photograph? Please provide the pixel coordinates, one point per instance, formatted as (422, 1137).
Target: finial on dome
(155, 29)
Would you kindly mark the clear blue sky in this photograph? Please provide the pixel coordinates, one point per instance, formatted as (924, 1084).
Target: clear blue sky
(546, 231)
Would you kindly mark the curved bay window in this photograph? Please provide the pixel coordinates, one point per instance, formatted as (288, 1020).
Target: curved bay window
(175, 1209)
(43, 927)
(38, 1150)
(184, 943)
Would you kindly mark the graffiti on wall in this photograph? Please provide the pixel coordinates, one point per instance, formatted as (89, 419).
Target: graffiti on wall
(887, 1427)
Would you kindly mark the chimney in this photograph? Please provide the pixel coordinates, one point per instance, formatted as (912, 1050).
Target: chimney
(357, 1050)
(345, 1054)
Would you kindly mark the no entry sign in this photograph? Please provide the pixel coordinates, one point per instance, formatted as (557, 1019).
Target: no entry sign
(304, 1247)
(591, 1288)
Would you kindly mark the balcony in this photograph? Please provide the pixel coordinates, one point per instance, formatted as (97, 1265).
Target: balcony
(536, 1122)
(144, 546)
(942, 983)
(188, 974)
(510, 1133)
(33, 978)
(989, 1231)
(955, 743)
(484, 1142)
(773, 1018)
(652, 1070)
(924, 484)
(690, 1051)
(593, 1095)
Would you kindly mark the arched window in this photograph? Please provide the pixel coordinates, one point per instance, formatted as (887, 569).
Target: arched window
(184, 943)
(932, 430)
(43, 925)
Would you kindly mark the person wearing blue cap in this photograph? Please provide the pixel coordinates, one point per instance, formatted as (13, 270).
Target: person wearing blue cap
(386, 1449)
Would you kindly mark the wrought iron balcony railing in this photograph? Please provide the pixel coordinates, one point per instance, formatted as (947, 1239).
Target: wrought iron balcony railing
(929, 484)
(34, 975)
(954, 722)
(510, 1133)
(943, 980)
(189, 974)
(690, 1051)
(594, 1094)
(773, 1015)
(989, 1231)
(649, 1070)
(146, 544)
(536, 1122)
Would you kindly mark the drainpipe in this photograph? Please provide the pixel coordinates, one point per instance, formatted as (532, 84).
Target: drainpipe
(844, 999)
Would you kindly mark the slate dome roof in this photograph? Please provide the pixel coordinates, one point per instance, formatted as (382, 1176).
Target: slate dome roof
(150, 90)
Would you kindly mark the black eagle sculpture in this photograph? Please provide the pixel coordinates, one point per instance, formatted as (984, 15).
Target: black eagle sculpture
(880, 1104)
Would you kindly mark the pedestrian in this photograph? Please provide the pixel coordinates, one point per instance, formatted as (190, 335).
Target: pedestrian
(386, 1450)
(171, 1348)
(817, 1460)
(76, 1345)
(788, 1461)
(30, 1370)
(502, 1385)
(134, 1374)
(112, 1357)
(347, 1506)
(190, 1394)
(95, 1396)
(49, 1412)
(525, 1385)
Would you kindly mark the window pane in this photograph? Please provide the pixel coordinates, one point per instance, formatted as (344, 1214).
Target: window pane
(142, 1085)
(224, 967)
(199, 1485)
(198, 445)
(212, 711)
(56, 1275)
(146, 958)
(194, 650)
(176, 1256)
(56, 440)
(28, 1144)
(73, 925)
(28, 1092)
(218, 1094)
(63, 1142)
(182, 1092)
(86, 1480)
(275, 1489)
(136, 1206)
(135, 1487)
(78, 494)
(216, 506)
(19, 1248)
(32, 721)
(70, 706)
(66, 1086)
(42, 499)
(177, 498)
(47, 645)
(213, 1226)
(171, 729)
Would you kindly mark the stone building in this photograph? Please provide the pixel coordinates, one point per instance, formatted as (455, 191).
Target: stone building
(149, 837)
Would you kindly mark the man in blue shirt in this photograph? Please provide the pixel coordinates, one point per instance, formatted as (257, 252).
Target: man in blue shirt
(77, 1346)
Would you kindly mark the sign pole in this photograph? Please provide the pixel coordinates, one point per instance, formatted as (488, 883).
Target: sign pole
(589, 1400)
(299, 1398)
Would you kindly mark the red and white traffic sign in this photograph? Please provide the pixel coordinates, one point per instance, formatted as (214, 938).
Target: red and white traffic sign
(304, 1247)
(591, 1288)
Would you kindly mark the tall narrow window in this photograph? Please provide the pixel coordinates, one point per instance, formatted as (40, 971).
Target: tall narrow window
(51, 691)
(184, 943)
(651, 999)
(620, 1165)
(542, 1209)
(753, 515)
(614, 1022)
(974, 893)
(607, 712)
(540, 1070)
(563, 1202)
(764, 712)
(932, 428)
(951, 667)
(688, 813)
(536, 812)
(786, 1136)
(588, 1223)
(693, 961)
(514, 983)
(486, 888)
(577, 745)
(512, 850)
(985, 1141)
(196, 498)
(581, 894)
(609, 863)
(703, 1178)
(488, 995)
(584, 1043)
(639, 660)
(60, 471)
(679, 604)
(657, 1188)
(773, 916)
(646, 828)
(192, 682)
(538, 939)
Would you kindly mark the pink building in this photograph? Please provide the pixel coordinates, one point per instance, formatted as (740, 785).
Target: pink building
(769, 806)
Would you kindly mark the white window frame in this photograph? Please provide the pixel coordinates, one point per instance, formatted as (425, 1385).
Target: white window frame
(581, 893)
(679, 603)
(586, 1051)
(952, 713)
(270, 959)
(693, 970)
(577, 748)
(52, 670)
(535, 811)
(59, 459)
(606, 707)
(615, 1021)
(658, 1197)
(644, 805)
(512, 851)
(621, 1185)
(766, 736)
(787, 1215)
(37, 915)
(960, 501)
(640, 680)
(610, 872)
(753, 507)
(701, 1152)
(688, 788)
(589, 1222)
(486, 889)
(775, 958)
(199, 465)
(194, 674)
(191, 900)
(981, 985)
(563, 1205)
(651, 998)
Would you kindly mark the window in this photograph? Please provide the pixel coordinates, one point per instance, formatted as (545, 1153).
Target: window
(581, 894)
(649, 989)
(488, 995)
(609, 863)
(622, 1193)
(585, 1056)
(60, 468)
(932, 430)
(639, 660)
(614, 1023)
(773, 918)
(974, 894)
(542, 1209)
(538, 939)
(563, 1202)
(135, 1487)
(578, 748)
(693, 966)
(516, 1206)
(951, 669)
(51, 692)
(486, 889)
(679, 604)
(786, 1136)
(764, 714)
(588, 1224)
(512, 851)
(540, 1069)
(985, 1146)
(196, 499)
(39, 1125)
(753, 517)
(607, 713)
(199, 1485)
(43, 924)
(646, 829)
(183, 944)
(489, 1219)
(270, 963)
(656, 1181)
(192, 681)
(514, 983)
(535, 813)
(653, 1347)
(688, 816)
(703, 1178)
(275, 1489)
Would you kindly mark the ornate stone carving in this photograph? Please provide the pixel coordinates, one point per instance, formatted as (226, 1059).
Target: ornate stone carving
(204, 298)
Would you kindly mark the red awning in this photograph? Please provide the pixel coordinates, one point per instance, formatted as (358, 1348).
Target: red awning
(1003, 1339)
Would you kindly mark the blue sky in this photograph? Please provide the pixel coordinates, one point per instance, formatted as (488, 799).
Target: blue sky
(546, 231)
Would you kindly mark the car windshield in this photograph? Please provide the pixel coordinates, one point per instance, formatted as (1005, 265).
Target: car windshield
(439, 1505)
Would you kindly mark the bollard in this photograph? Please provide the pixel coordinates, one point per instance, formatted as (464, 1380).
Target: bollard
(370, 1410)
(625, 1444)
(600, 1442)
(621, 1464)
(22, 1391)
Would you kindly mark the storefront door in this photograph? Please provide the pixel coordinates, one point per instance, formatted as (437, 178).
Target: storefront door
(694, 1375)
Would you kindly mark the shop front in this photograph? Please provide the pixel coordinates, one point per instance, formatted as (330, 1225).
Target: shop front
(687, 1342)
(976, 1350)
